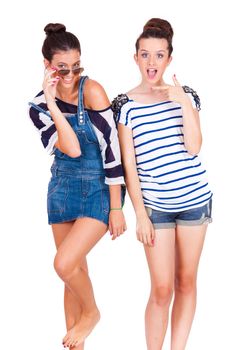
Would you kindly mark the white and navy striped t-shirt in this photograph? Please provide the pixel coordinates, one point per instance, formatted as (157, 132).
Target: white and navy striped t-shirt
(171, 179)
(103, 124)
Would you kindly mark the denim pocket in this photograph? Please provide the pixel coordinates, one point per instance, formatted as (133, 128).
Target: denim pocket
(105, 195)
(209, 208)
(62, 155)
(87, 137)
(53, 185)
(149, 212)
(57, 194)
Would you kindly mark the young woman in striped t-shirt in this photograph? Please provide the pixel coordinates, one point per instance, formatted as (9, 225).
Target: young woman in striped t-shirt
(160, 138)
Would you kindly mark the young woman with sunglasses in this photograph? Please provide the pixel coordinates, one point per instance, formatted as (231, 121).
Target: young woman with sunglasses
(85, 193)
(160, 138)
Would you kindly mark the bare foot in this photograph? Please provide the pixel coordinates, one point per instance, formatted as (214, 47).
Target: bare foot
(78, 333)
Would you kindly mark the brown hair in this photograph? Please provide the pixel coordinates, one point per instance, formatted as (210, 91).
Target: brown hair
(157, 28)
(58, 39)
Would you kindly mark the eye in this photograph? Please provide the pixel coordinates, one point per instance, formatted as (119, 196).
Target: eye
(144, 55)
(76, 65)
(160, 55)
(62, 66)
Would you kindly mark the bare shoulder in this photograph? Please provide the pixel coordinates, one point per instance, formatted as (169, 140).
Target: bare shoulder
(133, 93)
(95, 96)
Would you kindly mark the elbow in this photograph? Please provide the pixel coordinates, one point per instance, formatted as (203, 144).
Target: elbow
(194, 150)
(74, 153)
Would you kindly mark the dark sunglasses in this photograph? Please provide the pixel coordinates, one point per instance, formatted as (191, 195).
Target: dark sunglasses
(75, 71)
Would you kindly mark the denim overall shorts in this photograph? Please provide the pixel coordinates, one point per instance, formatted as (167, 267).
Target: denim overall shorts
(77, 186)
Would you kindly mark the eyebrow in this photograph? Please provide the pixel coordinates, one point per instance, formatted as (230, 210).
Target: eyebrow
(66, 63)
(156, 51)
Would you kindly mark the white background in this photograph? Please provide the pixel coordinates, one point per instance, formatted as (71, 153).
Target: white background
(31, 307)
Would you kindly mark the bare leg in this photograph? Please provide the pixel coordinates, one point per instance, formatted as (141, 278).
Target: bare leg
(189, 244)
(71, 304)
(84, 234)
(160, 259)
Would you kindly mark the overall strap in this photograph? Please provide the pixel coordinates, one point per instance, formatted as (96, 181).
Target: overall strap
(81, 114)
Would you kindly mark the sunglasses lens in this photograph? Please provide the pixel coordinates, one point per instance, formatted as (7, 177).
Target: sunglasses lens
(63, 71)
(77, 70)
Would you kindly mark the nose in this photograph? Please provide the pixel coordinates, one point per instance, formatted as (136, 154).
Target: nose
(151, 60)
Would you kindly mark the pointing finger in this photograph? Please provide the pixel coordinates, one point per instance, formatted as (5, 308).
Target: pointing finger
(176, 83)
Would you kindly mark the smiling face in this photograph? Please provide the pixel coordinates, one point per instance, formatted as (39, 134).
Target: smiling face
(66, 60)
(152, 59)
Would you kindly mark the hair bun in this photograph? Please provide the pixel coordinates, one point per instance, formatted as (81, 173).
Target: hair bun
(158, 25)
(54, 28)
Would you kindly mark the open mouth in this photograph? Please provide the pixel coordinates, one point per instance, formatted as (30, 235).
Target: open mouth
(151, 73)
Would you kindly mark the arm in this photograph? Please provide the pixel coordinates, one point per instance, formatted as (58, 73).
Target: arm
(95, 98)
(191, 126)
(145, 229)
(191, 121)
(67, 140)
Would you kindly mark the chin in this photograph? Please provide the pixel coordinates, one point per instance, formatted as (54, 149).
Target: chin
(67, 85)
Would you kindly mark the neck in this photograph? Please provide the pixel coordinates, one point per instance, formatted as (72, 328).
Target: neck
(146, 87)
(68, 94)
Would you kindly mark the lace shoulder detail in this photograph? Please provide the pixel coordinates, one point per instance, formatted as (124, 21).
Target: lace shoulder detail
(117, 104)
(196, 98)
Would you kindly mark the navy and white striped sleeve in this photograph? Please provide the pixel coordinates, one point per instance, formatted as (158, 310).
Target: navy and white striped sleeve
(43, 122)
(106, 131)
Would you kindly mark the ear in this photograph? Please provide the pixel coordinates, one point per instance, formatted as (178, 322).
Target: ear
(136, 58)
(169, 60)
(46, 63)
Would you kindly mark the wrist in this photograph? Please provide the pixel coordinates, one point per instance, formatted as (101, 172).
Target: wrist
(185, 101)
(51, 103)
(141, 214)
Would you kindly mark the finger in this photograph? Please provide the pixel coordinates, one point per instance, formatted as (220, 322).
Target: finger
(114, 237)
(49, 72)
(145, 241)
(114, 234)
(152, 241)
(75, 343)
(118, 231)
(176, 83)
(122, 230)
(152, 233)
(53, 81)
(110, 229)
(141, 240)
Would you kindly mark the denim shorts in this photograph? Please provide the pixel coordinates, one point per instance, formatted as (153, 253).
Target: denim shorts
(190, 217)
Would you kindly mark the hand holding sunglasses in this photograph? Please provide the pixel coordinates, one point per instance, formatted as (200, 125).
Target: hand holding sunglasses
(50, 85)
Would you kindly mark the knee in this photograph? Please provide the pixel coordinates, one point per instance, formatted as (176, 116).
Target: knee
(185, 283)
(161, 295)
(64, 268)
